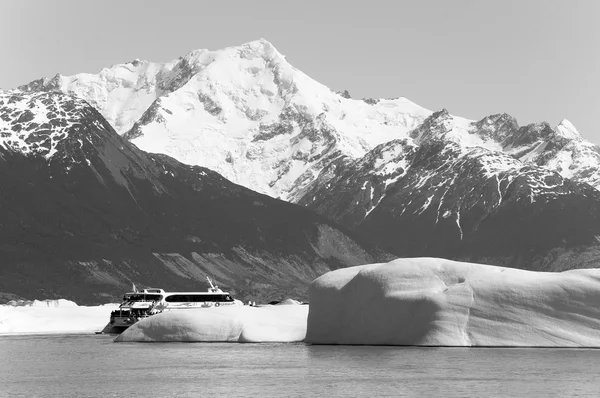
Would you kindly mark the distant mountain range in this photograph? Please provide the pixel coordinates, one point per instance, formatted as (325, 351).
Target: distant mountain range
(411, 181)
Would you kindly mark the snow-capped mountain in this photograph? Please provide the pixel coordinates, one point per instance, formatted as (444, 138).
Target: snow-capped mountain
(561, 149)
(248, 114)
(85, 213)
(432, 196)
(244, 112)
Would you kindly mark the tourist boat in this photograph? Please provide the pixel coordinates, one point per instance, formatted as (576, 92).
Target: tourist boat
(141, 304)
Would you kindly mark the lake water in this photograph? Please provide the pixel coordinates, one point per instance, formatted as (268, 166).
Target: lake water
(94, 366)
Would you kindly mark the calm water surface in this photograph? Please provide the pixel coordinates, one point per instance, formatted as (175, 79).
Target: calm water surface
(94, 366)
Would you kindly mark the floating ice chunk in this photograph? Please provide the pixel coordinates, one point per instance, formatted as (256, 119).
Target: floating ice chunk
(286, 323)
(289, 301)
(42, 303)
(436, 302)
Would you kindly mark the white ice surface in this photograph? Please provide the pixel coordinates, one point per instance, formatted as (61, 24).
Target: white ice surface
(53, 317)
(278, 323)
(435, 302)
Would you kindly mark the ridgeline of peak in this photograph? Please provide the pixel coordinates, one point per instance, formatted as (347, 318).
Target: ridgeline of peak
(123, 92)
(256, 48)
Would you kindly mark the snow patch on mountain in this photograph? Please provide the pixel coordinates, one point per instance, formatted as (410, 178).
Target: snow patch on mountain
(37, 123)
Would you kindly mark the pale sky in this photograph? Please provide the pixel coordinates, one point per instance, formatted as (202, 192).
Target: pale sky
(538, 60)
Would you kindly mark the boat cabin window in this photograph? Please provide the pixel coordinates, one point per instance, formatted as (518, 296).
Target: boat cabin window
(198, 298)
(144, 297)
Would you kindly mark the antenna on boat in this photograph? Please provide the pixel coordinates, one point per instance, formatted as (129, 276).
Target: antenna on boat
(212, 287)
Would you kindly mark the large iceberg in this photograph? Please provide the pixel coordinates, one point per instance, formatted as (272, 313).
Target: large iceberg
(270, 323)
(436, 302)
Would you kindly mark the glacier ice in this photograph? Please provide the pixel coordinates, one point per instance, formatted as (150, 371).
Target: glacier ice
(52, 317)
(244, 324)
(436, 302)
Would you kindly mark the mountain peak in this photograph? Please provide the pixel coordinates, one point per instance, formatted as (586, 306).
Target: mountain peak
(262, 48)
(249, 51)
(260, 43)
(440, 114)
(566, 129)
(438, 125)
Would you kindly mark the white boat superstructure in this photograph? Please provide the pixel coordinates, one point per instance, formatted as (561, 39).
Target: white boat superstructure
(141, 304)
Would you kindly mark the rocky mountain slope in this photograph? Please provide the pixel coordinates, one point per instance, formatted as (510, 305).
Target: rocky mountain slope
(430, 196)
(85, 213)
